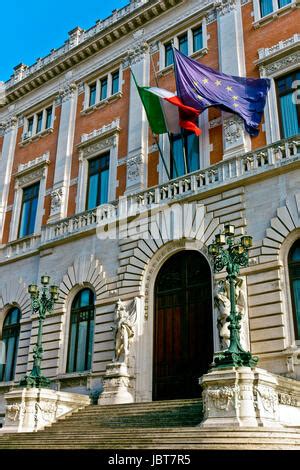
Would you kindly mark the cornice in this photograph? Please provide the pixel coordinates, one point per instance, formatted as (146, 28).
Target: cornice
(121, 23)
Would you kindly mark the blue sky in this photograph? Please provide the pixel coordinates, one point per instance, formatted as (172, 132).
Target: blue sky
(31, 29)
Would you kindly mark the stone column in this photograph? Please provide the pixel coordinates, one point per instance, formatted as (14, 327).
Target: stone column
(6, 163)
(59, 195)
(232, 62)
(139, 60)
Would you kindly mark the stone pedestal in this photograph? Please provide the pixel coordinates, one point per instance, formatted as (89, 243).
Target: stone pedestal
(116, 385)
(245, 397)
(31, 409)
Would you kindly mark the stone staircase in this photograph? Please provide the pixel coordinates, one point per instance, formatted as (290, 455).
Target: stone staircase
(155, 425)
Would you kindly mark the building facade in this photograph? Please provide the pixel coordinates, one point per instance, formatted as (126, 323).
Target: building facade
(86, 199)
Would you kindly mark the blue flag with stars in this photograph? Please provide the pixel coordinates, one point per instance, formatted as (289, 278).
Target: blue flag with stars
(200, 87)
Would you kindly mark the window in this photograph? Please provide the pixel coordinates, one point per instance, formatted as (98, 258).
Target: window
(115, 82)
(92, 100)
(169, 60)
(48, 117)
(289, 111)
(30, 125)
(184, 154)
(103, 89)
(294, 272)
(39, 122)
(266, 7)
(98, 174)
(28, 211)
(282, 3)
(81, 332)
(197, 39)
(10, 338)
(183, 44)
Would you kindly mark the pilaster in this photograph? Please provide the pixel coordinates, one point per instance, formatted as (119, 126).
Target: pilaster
(59, 195)
(232, 62)
(138, 59)
(6, 162)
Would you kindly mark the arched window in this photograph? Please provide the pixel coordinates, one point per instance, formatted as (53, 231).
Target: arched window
(294, 270)
(81, 332)
(10, 339)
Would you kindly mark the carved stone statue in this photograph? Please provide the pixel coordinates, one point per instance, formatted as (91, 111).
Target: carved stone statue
(125, 318)
(222, 304)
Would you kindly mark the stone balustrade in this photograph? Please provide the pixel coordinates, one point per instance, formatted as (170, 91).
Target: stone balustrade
(265, 159)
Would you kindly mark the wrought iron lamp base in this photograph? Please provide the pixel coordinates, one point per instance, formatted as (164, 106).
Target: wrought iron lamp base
(232, 359)
(35, 382)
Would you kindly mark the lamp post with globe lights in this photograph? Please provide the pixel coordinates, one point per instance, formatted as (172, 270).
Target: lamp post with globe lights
(41, 302)
(231, 254)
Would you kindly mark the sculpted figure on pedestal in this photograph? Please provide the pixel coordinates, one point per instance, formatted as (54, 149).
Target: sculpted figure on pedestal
(125, 318)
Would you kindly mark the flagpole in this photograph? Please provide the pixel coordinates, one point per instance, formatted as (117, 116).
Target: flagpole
(181, 133)
(170, 143)
(154, 136)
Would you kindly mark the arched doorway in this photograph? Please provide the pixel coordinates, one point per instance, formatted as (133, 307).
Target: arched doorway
(183, 329)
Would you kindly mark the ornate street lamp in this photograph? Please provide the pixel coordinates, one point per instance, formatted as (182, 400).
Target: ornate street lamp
(41, 304)
(231, 254)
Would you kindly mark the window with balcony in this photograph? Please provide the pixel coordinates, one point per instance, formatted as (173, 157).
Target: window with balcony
(102, 89)
(185, 156)
(81, 333)
(294, 273)
(98, 176)
(289, 109)
(10, 342)
(38, 122)
(29, 210)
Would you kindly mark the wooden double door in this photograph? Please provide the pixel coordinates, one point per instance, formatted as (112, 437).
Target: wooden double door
(183, 330)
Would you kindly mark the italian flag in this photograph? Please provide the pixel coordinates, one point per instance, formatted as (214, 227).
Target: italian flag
(166, 112)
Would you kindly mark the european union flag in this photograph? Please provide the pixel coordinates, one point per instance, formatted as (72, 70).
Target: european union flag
(200, 87)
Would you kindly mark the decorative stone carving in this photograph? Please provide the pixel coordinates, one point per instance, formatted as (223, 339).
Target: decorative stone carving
(222, 397)
(138, 51)
(222, 304)
(103, 144)
(282, 64)
(116, 385)
(10, 124)
(15, 411)
(43, 159)
(24, 180)
(267, 398)
(68, 92)
(134, 168)
(74, 36)
(232, 131)
(56, 200)
(286, 399)
(108, 128)
(215, 122)
(125, 320)
(225, 6)
(278, 47)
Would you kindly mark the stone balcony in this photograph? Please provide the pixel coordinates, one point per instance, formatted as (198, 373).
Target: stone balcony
(229, 172)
